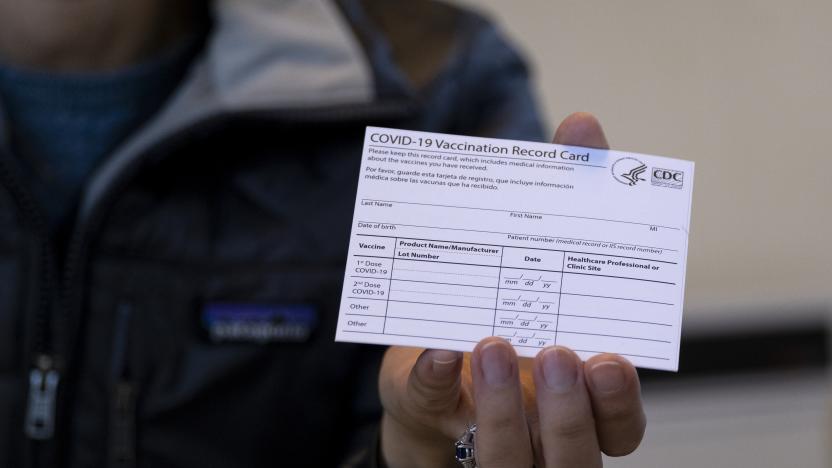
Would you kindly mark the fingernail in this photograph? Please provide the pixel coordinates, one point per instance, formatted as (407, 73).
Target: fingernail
(560, 370)
(607, 376)
(444, 363)
(496, 363)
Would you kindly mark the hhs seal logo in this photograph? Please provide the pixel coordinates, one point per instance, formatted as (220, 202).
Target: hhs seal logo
(628, 171)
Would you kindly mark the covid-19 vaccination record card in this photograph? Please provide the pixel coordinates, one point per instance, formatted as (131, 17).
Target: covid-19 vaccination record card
(458, 238)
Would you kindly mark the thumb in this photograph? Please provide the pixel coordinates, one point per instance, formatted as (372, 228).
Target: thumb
(433, 385)
(581, 129)
(421, 388)
(421, 393)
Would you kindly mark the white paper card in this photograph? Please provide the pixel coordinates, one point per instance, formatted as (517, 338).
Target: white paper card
(458, 238)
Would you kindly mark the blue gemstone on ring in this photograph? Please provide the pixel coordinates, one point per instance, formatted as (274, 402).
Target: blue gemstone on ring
(464, 453)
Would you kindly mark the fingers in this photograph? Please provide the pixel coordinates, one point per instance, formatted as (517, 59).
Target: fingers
(614, 390)
(616, 403)
(582, 408)
(567, 428)
(581, 129)
(502, 433)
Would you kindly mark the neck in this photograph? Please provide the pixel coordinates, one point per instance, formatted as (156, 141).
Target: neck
(90, 35)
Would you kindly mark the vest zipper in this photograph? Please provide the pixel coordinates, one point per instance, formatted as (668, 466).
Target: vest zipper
(44, 377)
(122, 430)
(43, 390)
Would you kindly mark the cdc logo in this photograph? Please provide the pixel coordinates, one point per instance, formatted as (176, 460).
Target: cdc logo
(667, 178)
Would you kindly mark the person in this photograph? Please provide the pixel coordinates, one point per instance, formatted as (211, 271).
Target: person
(177, 187)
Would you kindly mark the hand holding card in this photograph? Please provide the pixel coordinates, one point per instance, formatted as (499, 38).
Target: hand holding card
(554, 411)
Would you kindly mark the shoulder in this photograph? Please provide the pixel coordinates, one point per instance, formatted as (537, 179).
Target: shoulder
(424, 37)
(473, 80)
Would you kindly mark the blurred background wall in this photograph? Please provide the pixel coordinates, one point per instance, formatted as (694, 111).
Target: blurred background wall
(744, 89)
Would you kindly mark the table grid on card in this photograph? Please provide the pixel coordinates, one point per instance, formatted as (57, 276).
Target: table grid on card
(460, 292)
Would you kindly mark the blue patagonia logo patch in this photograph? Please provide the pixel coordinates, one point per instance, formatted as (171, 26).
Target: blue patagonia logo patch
(258, 323)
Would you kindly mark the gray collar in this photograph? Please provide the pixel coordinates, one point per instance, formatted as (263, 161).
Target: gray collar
(263, 54)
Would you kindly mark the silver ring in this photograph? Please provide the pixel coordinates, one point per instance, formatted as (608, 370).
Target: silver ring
(464, 446)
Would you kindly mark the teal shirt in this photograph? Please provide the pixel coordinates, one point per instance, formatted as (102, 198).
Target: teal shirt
(62, 126)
